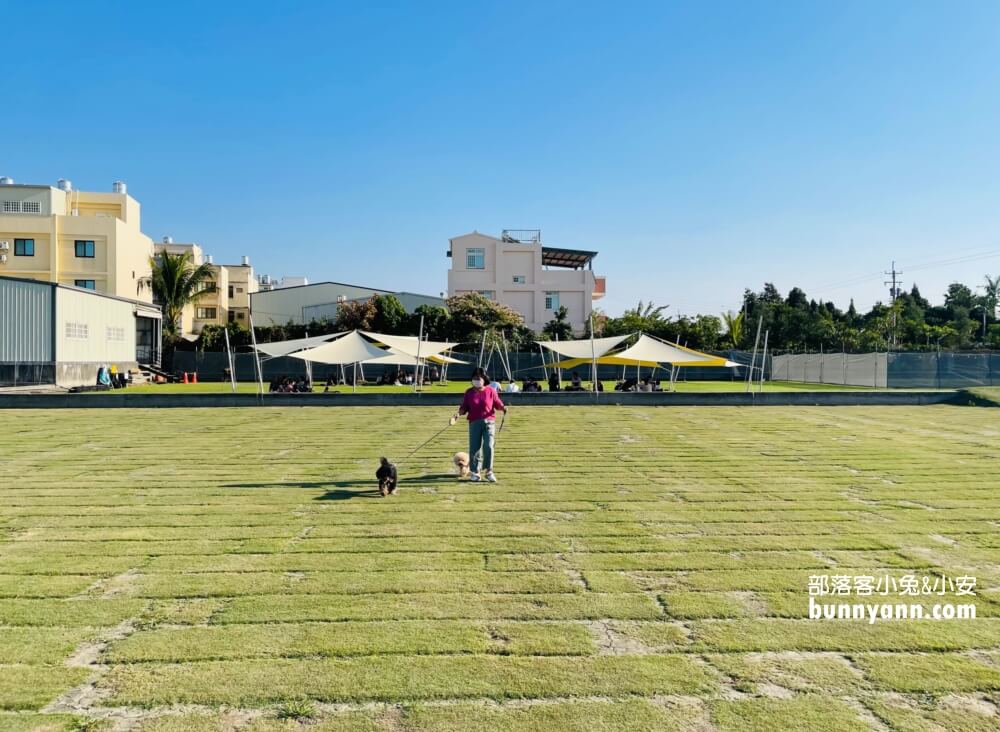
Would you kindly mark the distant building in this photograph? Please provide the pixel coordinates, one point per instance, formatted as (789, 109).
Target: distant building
(225, 300)
(517, 270)
(305, 303)
(82, 239)
(58, 334)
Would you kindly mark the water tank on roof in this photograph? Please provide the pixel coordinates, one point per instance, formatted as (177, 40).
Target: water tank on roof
(168, 240)
(119, 187)
(6, 180)
(64, 185)
(208, 259)
(246, 261)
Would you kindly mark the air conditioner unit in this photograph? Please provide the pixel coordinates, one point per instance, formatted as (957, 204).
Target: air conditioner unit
(3, 259)
(4, 245)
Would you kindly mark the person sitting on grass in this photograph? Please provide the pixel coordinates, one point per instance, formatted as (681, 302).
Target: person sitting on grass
(554, 382)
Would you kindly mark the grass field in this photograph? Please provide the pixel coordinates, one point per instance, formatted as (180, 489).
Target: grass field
(635, 569)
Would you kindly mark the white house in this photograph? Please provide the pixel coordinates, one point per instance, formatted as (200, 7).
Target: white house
(517, 270)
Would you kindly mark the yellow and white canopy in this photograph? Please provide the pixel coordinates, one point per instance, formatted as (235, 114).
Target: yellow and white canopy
(649, 349)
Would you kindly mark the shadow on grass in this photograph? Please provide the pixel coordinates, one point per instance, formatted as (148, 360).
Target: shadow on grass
(344, 490)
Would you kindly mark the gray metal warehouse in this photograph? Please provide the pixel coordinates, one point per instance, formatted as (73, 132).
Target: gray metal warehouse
(61, 335)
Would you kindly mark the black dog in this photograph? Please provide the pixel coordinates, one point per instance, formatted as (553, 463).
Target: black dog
(387, 477)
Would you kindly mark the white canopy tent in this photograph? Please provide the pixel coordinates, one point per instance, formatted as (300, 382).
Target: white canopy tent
(403, 359)
(284, 348)
(348, 349)
(411, 345)
(585, 348)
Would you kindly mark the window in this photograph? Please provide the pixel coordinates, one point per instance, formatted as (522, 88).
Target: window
(24, 247)
(205, 313)
(12, 207)
(230, 292)
(232, 316)
(239, 316)
(85, 284)
(475, 259)
(77, 331)
(520, 279)
(488, 294)
(31, 207)
(115, 334)
(239, 289)
(551, 300)
(84, 249)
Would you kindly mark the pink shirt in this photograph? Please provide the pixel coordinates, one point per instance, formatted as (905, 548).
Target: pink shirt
(481, 404)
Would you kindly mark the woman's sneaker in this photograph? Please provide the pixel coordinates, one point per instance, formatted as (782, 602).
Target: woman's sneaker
(475, 478)
(491, 477)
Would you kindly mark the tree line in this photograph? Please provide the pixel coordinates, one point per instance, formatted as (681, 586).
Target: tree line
(966, 319)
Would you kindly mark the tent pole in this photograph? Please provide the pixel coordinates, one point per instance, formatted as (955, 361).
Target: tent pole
(545, 369)
(416, 368)
(559, 368)
(764, 360)
(482, 349)
(753, 357)
(229, 356)
(593, 363)
(638, 376)
(256, 354)
(506, 354)
(355, 379)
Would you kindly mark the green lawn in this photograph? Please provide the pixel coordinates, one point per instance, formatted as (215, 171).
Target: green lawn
(635, 569)
(456, 387)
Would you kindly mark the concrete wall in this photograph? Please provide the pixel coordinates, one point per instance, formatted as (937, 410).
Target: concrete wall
(448, 401)
(50, 200)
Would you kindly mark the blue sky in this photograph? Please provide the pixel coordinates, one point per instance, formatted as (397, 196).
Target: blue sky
(700, 147)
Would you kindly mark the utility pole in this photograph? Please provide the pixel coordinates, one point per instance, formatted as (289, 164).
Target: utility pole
(894, 292)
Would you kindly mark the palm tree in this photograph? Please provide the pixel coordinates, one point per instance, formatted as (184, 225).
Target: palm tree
(176, 281)
(734, 327)
(650, 310)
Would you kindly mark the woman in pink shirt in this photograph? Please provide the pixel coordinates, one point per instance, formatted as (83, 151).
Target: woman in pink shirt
(481, 404)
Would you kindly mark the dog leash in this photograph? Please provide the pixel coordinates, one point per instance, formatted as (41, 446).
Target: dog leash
(430, 439)
(503, 421)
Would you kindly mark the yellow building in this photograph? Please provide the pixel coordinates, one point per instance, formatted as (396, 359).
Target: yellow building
(225, 300)
(77, 238)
